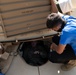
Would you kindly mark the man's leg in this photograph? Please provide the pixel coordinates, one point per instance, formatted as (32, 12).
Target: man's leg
(71, 64)
(65, 57)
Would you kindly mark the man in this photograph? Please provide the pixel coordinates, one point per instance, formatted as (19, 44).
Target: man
(64, 46)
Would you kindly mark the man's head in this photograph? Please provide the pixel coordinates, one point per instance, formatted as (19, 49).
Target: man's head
(54, 21)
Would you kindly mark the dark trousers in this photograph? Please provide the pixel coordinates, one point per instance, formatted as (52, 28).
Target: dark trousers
(67, 55)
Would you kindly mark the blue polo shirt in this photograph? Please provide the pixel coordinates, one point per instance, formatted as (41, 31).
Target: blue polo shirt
(1, 74)
(68, 34)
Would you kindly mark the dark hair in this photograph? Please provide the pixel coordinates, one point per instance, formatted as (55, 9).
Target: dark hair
(54, 19)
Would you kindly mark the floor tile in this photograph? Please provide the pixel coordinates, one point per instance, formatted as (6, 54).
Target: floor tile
(54, 69)
(19, 67)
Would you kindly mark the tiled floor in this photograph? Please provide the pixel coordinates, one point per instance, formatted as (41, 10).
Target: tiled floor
(52, 69)
(19, 67)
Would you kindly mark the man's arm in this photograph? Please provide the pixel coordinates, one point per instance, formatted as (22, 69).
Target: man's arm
(59, 49)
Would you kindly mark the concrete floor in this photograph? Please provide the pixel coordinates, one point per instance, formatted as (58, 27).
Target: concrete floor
(20, 67)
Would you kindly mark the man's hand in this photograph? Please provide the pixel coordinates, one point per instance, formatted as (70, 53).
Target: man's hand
(59, 49)
(53, 46)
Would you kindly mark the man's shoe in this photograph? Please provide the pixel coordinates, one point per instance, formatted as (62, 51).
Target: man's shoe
(69, 65)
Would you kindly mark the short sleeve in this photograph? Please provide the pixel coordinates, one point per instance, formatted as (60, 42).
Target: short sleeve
(65, 38)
